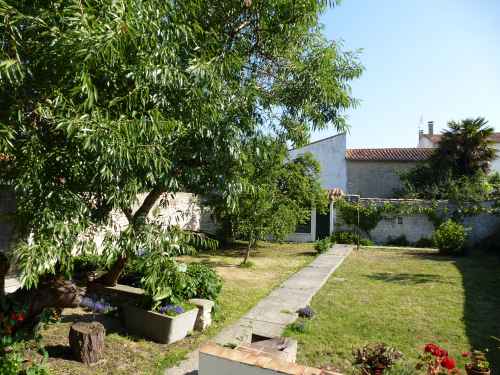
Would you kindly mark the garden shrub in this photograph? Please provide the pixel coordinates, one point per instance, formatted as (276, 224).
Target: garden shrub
(450, 237)
(323, 245)
(424, 242)
(178, 282)
(11, 363)
(207, 283)
(398, 241)
(349, 238)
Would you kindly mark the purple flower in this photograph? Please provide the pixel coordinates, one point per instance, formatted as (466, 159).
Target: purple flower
(171, 310)
(179, 310)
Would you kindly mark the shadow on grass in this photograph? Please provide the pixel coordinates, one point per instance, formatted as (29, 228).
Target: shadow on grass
(481, 282)
(60, 352)
(407, 278)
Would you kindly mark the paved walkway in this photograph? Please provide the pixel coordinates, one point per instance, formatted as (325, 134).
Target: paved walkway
(273, 313)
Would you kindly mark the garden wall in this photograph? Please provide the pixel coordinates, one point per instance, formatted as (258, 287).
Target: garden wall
(185, 210)
(418, 226)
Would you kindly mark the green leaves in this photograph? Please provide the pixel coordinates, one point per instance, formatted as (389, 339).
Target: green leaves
(103, 100)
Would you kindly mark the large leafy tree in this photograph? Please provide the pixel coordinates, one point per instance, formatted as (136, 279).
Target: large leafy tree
(102, 100)
(457, 169)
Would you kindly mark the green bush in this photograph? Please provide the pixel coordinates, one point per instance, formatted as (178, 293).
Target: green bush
(323, 245)
(11, 363)
(207, 283)
(424, 242)
(450, 237)
(349, 238)
(398, 241)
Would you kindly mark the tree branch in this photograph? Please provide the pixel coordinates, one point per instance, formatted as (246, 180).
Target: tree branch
(146, 206)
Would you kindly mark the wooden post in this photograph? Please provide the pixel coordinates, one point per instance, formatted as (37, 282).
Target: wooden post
(87, 341)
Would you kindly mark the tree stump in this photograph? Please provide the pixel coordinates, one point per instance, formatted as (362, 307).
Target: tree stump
(87, 341)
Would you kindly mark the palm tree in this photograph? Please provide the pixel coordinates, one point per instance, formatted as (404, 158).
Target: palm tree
(465, 148)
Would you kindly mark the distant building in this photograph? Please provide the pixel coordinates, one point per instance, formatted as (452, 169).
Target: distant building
(369, 172)
(431, 140)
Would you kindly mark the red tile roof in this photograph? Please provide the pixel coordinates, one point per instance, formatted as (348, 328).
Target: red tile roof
(388, 154)
(436, 138)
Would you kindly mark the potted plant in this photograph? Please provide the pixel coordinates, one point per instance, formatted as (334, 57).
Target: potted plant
(373, 359)
(478, 365)
(162, 315)
(165, 324)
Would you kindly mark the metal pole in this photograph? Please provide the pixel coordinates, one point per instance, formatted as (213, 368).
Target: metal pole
(358, 228)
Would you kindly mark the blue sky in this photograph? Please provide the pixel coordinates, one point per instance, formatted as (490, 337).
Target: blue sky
(435, 59)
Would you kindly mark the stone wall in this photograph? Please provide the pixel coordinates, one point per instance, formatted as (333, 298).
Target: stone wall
(184, 209)
(375, 178)
(415, 227)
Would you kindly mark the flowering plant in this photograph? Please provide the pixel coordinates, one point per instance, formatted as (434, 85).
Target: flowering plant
(171, 310)
(478, 362)
(12, 317)
(435, 360)
(373, 359)
(97, 305)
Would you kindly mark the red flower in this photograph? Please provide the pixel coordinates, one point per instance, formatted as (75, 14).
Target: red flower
(13, 316)
(465, 354)
(431, 348)
(20, 317)
(441, 353)
(435, 350)
(448, 363)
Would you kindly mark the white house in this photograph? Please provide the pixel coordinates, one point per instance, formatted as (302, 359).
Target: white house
(431, 140)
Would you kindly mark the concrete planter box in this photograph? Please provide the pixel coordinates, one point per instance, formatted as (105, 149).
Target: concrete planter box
(158, 327)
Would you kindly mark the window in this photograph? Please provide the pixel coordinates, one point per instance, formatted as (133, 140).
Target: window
(304, 228)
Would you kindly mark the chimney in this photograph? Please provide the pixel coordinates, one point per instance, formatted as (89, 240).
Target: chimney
(430, 125)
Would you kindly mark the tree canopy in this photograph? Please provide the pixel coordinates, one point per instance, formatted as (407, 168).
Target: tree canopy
(103, 99)
(277, 193)
(457, 169)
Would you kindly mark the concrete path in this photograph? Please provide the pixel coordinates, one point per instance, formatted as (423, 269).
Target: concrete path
(273, 313)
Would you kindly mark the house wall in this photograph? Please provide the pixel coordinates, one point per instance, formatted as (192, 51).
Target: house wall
(495, 164)
(330, 153)
(425, 142)
(377, 179)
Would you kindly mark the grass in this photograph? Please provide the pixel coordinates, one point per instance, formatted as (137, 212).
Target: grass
(405, 299)
(243, 288)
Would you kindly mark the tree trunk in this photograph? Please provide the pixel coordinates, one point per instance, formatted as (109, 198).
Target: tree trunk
(4, 268)
(111, 277)
(87, 341)
(247, 253)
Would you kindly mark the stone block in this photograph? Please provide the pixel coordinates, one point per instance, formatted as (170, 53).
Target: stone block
(282, 348)
(218, 360)
(204, 318)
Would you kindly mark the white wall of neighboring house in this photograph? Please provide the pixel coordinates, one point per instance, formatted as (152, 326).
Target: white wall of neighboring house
(330, 153)
(495, 164)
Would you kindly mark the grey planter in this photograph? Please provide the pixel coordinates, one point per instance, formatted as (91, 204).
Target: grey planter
(158, 327)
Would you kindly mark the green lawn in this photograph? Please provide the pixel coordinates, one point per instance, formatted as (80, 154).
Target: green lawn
(243, 288)
(405, 299)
